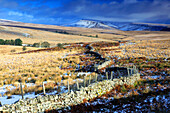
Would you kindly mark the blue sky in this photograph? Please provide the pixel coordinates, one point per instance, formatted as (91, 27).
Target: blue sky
(68, 11)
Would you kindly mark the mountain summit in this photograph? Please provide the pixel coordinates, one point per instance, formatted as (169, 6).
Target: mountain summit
(124, 26)
(90, 24)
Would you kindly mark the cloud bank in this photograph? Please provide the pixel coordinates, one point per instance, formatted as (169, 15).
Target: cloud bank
(68, 11)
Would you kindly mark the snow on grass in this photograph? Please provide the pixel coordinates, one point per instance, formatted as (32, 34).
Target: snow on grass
(15, 98)
(4, 88)
(153, 77)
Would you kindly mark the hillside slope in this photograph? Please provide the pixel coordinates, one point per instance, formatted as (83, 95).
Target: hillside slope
(60, 34)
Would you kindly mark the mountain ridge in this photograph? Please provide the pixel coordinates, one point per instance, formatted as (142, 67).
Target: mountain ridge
(89, 23)
(124, 26)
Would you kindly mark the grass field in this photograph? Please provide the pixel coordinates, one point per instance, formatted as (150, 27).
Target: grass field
(149, 51)
(8, 49)
(40, 33)
(41, 36)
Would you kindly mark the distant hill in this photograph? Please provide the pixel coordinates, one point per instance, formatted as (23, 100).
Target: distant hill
(3, 21)
(124, 26)
(82, 31)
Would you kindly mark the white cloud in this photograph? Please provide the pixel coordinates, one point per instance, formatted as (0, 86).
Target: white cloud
(113, 3)
(78, 9)
(130, 1)
(14, 13)
(142, 15)
(113, 19)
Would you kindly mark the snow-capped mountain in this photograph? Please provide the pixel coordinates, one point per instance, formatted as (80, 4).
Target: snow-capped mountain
(90, 24)
(125, 26)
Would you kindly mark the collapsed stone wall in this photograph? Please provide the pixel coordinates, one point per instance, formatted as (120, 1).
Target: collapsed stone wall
(49, 102)
(104, 64)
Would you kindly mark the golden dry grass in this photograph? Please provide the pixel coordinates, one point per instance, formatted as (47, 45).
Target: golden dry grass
(40, 36)
(44, 66)
(40, 32)
(147, 35)
(8, 49)
(144, 48)
(38, 66)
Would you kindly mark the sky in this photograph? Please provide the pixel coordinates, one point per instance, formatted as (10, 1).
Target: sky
(60, 12)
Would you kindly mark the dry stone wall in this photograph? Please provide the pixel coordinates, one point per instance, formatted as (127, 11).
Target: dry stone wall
(104, 64)
(49, 102)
